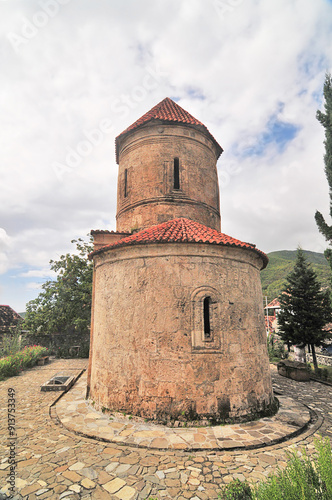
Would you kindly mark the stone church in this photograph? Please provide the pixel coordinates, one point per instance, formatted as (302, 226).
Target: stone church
(177, 316)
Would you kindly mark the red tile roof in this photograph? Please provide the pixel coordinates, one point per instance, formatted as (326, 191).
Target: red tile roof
(275, 304)
(170, 112)
(9, 318)
(181, 230)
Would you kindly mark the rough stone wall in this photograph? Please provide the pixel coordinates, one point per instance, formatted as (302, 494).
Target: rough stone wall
(321, 359)
(146, 194)
(149, 354)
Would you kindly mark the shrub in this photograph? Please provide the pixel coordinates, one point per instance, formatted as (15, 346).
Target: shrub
(276, 348)
(303, 478)
(14, 363)
(12, 343)
(236, 490)
(65, 351)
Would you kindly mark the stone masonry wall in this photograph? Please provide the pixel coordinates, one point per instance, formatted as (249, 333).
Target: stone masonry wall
(148, 197)
(149, 353)
(321, 359)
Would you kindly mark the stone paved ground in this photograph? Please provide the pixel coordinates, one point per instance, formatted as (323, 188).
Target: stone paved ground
(76, 414)
(55, 463)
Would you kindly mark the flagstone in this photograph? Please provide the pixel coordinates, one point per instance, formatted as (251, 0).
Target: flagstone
(77, 466)
(72, 476)
(114, 485)
(30, 489)
(88, 484)
(126, 493)
(41, 492)
(112, 451)
(55, 450)
(76, 488)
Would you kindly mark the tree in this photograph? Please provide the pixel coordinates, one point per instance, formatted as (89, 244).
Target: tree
(64, 305)
(326, 120)
(305, 308)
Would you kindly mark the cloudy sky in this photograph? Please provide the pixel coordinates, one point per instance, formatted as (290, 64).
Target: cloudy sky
(75, 73)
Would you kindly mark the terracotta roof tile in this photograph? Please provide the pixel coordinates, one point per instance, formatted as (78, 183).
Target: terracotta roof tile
(9, 318)
(274, 304)
(168, 111)
(181, 230)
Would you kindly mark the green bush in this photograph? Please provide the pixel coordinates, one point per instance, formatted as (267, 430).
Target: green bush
(69, 352)
(12, 343)
(276, 348)
(14, 363)
(304, 478)
(236, 490)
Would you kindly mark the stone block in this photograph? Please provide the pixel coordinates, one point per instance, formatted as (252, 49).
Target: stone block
(294, 370)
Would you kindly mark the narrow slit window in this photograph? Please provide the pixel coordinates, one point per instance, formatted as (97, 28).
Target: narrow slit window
(206, 315)
(176, 184)
(126, 183)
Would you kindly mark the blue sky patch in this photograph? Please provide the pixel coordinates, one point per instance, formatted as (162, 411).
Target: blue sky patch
(278, 133)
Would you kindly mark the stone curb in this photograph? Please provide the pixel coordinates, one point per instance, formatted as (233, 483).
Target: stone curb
(74, 414)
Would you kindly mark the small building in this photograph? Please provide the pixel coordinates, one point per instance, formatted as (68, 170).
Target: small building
(177, 309)
(9, 319)
(271, 316)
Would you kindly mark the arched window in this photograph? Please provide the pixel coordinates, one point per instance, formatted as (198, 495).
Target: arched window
(206, 317)
(176, 178)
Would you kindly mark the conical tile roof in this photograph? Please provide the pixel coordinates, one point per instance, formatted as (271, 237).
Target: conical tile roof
(170, 112)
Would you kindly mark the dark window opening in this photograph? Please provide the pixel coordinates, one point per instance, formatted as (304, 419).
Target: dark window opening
(206, 314)
(176, 174)
(126, 183)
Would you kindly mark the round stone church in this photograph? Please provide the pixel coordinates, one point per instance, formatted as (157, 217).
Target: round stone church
(177, 316)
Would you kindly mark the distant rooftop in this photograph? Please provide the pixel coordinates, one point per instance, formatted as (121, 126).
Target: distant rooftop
(8, 318)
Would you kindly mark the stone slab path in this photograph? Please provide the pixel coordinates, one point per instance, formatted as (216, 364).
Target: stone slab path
(54, 462)
(74, 412)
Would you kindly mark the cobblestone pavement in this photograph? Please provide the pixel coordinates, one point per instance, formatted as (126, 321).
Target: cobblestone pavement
(55, 463)
(74, 412)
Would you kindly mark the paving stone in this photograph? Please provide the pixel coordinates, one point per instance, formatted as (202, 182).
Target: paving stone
(126, 493)
(114, 485)
(66, 494)
(54, 450)
(60, 488)
(89, 473)
(88, 484)
(76, 488)
(30, 489)
(122, 469)
(145, 492)
(41, 492)
(72, 476)
(112, 466)
(77, 466)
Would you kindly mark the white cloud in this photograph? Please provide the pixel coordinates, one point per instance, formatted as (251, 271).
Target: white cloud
(235, 70)
(33, 286)
(38, 273)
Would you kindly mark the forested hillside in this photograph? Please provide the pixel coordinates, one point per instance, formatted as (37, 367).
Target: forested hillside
(282, 262)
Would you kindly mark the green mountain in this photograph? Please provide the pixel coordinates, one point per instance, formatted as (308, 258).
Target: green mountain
(282, 263)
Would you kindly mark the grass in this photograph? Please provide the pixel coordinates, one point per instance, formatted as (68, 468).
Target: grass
(325, 372)
(303, 478)
(13, 364)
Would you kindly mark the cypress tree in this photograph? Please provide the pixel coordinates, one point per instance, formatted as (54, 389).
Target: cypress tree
(326, 120)
(305, 308)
